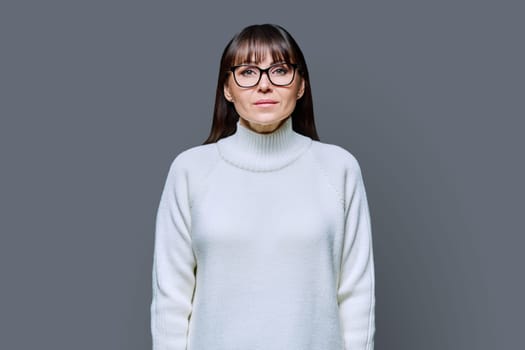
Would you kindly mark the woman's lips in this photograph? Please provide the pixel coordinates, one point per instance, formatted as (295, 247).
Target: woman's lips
(265, 102)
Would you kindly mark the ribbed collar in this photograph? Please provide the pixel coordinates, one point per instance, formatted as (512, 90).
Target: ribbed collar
(250, 150)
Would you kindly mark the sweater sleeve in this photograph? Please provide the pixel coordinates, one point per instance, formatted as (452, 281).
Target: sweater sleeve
(356, 291)
(173, 274)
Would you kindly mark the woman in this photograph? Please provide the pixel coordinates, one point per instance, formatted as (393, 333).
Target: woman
(263, 235)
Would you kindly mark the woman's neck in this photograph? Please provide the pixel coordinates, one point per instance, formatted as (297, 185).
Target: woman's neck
(250, 150)
(262, 128)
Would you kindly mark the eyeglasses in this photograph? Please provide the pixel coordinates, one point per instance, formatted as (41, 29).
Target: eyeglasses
(279, 74)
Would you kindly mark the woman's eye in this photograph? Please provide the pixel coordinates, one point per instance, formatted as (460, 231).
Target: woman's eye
(279, 71)
(247, 72)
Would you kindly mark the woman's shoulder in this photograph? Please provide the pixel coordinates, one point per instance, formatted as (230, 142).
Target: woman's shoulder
(340, 166)
(335, 158)
(196, 158)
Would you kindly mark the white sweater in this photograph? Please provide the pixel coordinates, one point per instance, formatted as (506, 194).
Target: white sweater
(263, 242)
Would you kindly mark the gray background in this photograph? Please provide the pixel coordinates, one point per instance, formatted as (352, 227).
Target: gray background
(97, 98)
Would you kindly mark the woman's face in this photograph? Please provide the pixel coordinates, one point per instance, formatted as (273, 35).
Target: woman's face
(264, 107)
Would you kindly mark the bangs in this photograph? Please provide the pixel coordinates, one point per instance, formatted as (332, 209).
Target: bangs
(254, 46)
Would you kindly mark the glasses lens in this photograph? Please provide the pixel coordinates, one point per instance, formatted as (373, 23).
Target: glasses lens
(247, 75)
(279, 74)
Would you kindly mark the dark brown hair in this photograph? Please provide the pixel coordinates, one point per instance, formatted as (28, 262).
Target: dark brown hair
(252, 43)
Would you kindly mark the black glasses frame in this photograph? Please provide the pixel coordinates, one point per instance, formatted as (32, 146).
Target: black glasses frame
(261, 71)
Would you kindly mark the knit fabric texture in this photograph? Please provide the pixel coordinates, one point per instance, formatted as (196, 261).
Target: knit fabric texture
(263, 242)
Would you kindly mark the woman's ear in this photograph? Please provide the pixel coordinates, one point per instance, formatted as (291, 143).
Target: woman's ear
(301, 89)
(227, 93)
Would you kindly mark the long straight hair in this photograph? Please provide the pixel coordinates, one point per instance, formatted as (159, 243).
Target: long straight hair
(253, 42)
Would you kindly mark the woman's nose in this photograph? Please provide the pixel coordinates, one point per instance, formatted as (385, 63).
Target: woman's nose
(264, 83)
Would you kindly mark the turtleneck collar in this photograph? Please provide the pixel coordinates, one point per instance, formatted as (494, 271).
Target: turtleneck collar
(250, 150)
